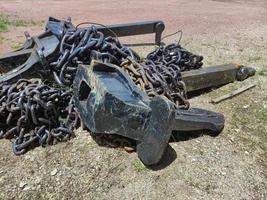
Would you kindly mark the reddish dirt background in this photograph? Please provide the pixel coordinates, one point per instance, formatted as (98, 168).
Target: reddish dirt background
(193, 17)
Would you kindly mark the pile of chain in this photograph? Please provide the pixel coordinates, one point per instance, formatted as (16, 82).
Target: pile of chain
(160, 72)
(35, 114)
(81, 46)
(173, 55)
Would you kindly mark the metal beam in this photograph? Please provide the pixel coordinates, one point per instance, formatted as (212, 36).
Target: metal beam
(215, 76)
(137, 28)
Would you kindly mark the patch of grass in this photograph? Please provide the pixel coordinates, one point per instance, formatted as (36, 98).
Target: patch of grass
(263, 72)
(254, 58)
(2, 40)
(15, 45)
(6, 23)
(3, 26)
(253, 122)
(139, 166)
(193, 182)
(43, 195)
(20, 23)
(24, 23)
(225, 89)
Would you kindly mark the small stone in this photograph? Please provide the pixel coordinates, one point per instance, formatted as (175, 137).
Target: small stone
(37, 180)
(232, 139)
(32, 159)
(245, 106)
(22, 184)
(237, 130)
(129, 149)
(26, 188)
(246, 152)
(223, 173)
(54, 172)
(1, 171)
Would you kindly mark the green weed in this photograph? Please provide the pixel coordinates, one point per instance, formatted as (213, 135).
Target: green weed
(3, 26)
(2, 40)
(6, 23)
(139, 166)
(15, 45)
(263, 72)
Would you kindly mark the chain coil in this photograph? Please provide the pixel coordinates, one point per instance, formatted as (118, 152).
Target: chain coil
(35, 114)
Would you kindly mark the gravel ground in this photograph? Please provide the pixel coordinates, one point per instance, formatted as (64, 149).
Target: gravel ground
(229, 166)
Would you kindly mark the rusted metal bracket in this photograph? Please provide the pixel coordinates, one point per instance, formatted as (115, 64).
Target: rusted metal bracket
(215, 76)
(109, 102)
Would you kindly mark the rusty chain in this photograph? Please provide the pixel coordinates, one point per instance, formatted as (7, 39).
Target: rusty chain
(114, 141)
(160, 72)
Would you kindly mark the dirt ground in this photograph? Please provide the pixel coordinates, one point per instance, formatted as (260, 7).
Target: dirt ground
(229, 166)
